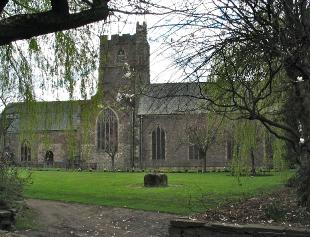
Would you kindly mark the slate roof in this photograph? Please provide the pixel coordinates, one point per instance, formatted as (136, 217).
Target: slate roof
(40, 116)
(154, 99)
(172, 98)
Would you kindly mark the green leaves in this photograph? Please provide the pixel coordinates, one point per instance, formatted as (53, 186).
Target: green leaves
(33, 45)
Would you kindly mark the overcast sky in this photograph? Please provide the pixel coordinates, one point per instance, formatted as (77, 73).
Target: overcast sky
(162, 68)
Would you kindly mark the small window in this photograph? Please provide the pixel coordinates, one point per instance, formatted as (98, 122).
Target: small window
(121, 56)
(195, 153)
(158, 144)
(25, 153)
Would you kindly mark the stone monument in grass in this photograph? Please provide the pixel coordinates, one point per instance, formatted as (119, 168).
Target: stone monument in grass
(155, 180)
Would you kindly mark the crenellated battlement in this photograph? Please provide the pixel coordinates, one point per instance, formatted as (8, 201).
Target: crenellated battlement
(132, 50)
(141, 34)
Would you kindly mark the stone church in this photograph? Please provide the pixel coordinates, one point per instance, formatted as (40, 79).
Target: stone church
(129, 120)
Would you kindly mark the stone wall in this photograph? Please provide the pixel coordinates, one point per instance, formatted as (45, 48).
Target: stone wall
(177, 147)
(7, 219)
(188, 228)
(91, 154)
(41, 142)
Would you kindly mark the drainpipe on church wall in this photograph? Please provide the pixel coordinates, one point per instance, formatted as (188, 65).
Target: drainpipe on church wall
(133, 137)
(140, 142)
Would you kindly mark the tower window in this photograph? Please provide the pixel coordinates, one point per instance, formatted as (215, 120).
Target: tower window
(158, 144)
(107, 129)
(121, 56)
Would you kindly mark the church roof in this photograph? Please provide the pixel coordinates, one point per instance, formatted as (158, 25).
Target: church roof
(39, 116)
(172, 98)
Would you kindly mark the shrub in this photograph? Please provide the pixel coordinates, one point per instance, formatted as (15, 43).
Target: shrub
(11, 184)
(291, 182)
(274, 211)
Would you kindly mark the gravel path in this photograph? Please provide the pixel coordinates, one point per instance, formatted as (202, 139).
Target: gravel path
(71, 220)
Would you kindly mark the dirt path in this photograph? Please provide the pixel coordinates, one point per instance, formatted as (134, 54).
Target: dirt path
(71, 220)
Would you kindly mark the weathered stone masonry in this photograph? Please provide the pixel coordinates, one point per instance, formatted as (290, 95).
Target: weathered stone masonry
(151, 118)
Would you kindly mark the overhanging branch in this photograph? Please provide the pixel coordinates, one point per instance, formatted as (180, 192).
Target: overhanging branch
(29, 25)
(2, 5)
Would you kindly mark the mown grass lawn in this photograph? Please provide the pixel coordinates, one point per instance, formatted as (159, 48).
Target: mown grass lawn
(186, 193)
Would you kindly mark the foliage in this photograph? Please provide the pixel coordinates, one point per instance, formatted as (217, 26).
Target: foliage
(255, 55)
(124, 189)
(274, 211)
(66, 59)
(11, 182)
(246, 138)
(26, 218)
(279, 155)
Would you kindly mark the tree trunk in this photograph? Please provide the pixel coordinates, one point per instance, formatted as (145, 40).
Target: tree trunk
(113, 162)
(297, 114)
(253, 171)
(303, 182)
(204, 168)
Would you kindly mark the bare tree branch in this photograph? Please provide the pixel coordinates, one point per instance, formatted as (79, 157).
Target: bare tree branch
(2, 5)
(60, 7)
(30, 25)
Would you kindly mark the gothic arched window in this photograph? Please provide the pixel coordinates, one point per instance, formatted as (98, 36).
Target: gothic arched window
(25, 152)
(107, 129)
(195, 153)
(158, 144)
(121, 56)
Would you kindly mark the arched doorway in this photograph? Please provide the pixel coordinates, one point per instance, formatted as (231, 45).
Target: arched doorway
(49, 158)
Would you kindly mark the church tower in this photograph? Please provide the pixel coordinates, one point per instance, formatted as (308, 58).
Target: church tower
(124, 62)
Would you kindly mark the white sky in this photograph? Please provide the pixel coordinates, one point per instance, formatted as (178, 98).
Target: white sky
(162, 68)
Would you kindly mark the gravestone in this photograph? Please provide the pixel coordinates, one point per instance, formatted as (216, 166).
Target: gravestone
(155, 180)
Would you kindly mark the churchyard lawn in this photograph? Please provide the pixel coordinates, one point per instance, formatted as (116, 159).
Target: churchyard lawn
(186, 192)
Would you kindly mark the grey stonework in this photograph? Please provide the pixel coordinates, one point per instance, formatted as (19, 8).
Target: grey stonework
(63, 129)
(7, 219)
(188, 228)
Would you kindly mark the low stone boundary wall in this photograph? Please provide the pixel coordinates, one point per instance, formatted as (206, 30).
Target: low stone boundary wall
(7, 219)
(189, 228)
(9, 234)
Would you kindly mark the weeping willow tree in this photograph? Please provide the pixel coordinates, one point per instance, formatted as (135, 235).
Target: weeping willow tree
(58, 58)
(251, 149)
(55, 56)
(246, 140)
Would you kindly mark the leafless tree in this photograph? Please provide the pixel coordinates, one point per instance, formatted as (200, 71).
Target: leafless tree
(111, 150)
(203, 133)
(256, 57)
